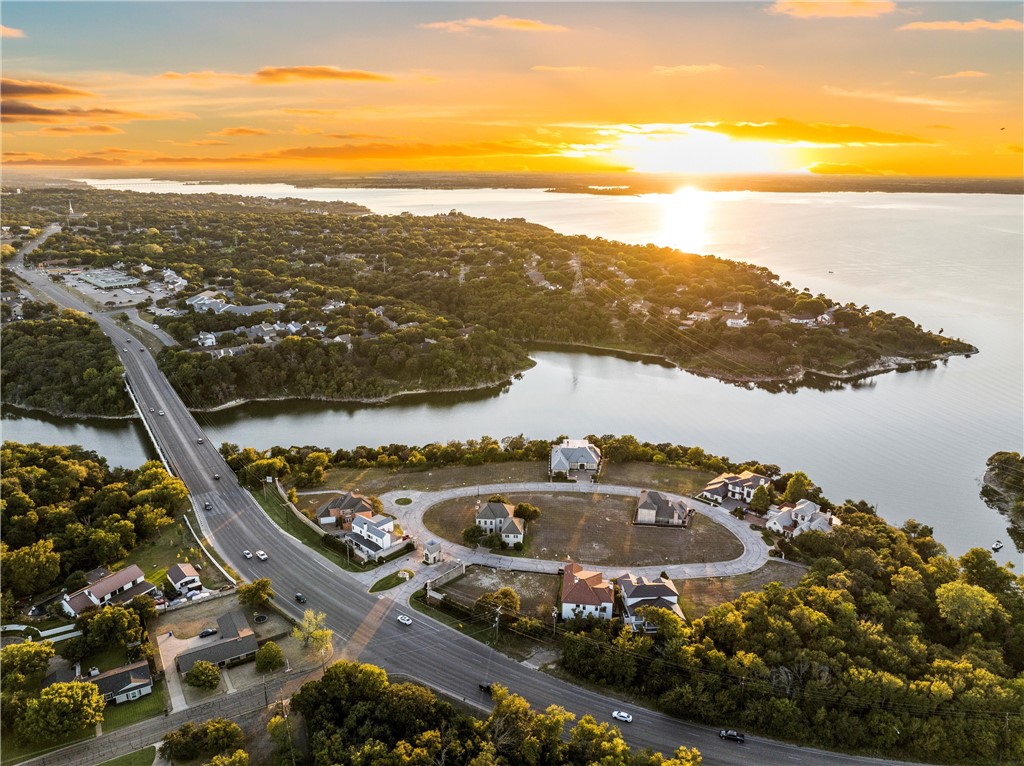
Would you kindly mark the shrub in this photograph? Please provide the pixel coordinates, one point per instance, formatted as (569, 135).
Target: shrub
(517, 546)
(203, 675)
(472, 535)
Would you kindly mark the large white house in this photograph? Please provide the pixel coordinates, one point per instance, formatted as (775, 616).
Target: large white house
(640, 591)
(585, 593)
(117, 588)
(792, 519)
(735, 486)
(574, 455)
(373, 536)
(499, 517)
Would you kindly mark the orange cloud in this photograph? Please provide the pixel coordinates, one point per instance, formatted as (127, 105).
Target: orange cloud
(510, 23)
(22, 111)
(843, 168)
(315, 112)
(204, 75)
(690, 69)
(809, 134)
(809, 9)
(62, 131)
(545, 68)
(912, 99)
(241, 131)
(198, 142)
(415, 151)
(82, 161)
(10, 32)
(963, 74)
(22, 88)
(280, 74)
(965, 26)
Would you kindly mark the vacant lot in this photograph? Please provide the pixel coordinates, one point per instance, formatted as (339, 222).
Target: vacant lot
(681, 481)
(538, 593)
(596, 529)
(174, 545)
(697, 597)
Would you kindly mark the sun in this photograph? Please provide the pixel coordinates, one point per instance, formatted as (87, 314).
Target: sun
(684, 150)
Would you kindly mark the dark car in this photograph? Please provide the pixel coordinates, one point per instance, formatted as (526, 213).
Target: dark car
(207, 505)
(208, 632)
(735, 736)
(300, 598)
(485, 688)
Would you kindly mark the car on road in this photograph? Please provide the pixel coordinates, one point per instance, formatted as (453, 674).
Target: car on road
(125, 348)
(208, 632)
(156, 326)
(735, 736)
(217, 476)
(247, 554)
(142, 351)
(160, 413)
(620, 715)
(262, 556)
(300, 598)
(207, 506)
(152, 409)
(485, 688)
(199, 440)
(405, 619)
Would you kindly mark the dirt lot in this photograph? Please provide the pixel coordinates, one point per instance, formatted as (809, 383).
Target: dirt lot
(649, 475)
(188, 621)
(596, 529)
(697, 597)
(538, 593)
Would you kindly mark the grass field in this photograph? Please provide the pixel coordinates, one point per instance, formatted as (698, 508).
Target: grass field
(142, 757)
(596, 529)
(681, 481)
(13, 751)
(697, 597)
(174, 545)
(127, 713)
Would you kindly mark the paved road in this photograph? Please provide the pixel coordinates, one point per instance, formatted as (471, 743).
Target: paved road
(364, 624)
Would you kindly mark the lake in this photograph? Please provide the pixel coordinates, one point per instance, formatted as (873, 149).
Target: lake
(914, 443)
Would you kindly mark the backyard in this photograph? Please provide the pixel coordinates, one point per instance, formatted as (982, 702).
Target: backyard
(174, 545)
(698, 596)
(595, 529)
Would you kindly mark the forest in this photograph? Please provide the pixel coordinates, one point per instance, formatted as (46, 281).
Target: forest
(429, 302)
(61, 362)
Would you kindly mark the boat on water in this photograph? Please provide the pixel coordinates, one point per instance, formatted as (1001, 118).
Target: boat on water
(997, 545)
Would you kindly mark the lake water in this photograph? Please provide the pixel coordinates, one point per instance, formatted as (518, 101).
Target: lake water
(913, 443)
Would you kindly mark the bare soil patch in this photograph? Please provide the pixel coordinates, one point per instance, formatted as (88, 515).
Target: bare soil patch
(595, 529)
(697, 597)
(681, 481)
(538, 593)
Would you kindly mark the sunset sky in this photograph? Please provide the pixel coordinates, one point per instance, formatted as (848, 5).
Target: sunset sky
(828, 87)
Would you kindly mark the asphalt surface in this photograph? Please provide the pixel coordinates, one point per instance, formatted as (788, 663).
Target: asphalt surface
(365, 625)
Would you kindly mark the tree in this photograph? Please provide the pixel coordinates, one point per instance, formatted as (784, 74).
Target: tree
(203, 675)
(311, 631)
(472, 535)
(112, 625)
(505, 599)
(527, 512)
(31, 569)
(269, 657)
(798, 487)
(61, 708)
(967, 608)
(237, 758)
(145, 607)
(497, 499)
(761, 500)
(255, 594)
(25, 664)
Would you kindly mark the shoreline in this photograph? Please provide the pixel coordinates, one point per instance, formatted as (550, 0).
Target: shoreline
(66, 415)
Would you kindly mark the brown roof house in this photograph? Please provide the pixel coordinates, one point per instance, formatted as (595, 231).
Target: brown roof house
(235, 643)
(338, 512)
(639, 591)
(184, 578)
(117, 588)
(656, 508)
(585, 593)
(735, 486)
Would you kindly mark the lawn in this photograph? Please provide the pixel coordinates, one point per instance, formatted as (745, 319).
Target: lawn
(391, 581)
(142, 757)
(127, 713)
(681, 481)
(12, 751)
(698, 596)
(107, 659)
(538, 593)
(174, 545)
(596, 529)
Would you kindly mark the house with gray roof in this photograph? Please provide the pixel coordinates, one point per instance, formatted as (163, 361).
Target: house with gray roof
(658, 509)
(734, 486)
(373, 535)
(117, 588)
(639, 592)
(494, 517)
(125, 683)
(574, 455)
(234, 643)
(184, 578)
(793, 519)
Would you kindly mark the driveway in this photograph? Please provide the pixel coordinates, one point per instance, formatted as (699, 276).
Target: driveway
(170, 647)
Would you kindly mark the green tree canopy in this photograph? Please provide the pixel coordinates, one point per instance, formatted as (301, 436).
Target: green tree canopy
(203, 675)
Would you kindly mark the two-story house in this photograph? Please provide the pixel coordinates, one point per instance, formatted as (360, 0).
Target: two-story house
(734, 486)
(793, 519)
(640, 591)
(494, 517)
(373, 535)
(586, 593)
(117, 588)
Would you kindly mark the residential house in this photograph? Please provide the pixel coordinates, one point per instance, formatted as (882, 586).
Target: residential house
(735, 308)
(234, 643)
(640, 591)
(740, 321)
(184, 578)
(206, 339)
(124, 684)
(574, 455)
(793, 519)
(373, 535)
(734, 486)
(656, 508)
(338, 512)
(585, 593)
(117, 588)
(494, 517)
(699, 316)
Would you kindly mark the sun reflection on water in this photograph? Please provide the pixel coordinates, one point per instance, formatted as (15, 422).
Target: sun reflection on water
(684, 219)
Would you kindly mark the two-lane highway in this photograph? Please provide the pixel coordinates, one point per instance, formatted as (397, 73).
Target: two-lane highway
(365, 626)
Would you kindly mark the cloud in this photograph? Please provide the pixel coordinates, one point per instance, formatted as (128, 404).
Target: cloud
(33, 88)
(205, 75)
(809, 133)
(510, 23)
(546, 68)
(315, 112)
(62, 131)
(809, 9)
(10, 32)
(241, 131)
(81, 161)
(1014, 148)
(690, 69)
(22, 111)
(198, 142)
(912, 99)
(280, 74)
(415, 151)
(965, 26)
(843, 168)
(966, 73)
(354, 136)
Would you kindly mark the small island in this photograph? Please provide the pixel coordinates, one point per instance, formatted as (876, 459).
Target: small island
(271, 299)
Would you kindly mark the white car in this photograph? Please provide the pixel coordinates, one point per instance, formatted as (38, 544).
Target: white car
(262, 556)
(247, 554)
(620, 715)
(405, 619)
